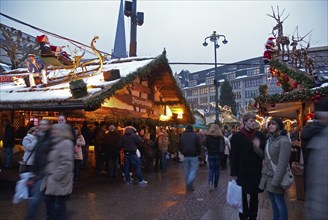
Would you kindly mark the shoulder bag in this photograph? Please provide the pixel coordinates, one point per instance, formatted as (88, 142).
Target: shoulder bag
(288, 178)
(23, 164)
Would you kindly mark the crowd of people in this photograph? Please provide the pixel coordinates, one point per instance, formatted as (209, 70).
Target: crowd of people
(55, 154)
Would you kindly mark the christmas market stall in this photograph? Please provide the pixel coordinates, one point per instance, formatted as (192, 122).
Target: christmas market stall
(130, 90)
(303, 80)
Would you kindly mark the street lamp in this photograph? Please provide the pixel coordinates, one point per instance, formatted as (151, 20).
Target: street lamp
(214, 38)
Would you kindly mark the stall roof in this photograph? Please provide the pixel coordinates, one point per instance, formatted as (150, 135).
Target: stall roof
(58, 96)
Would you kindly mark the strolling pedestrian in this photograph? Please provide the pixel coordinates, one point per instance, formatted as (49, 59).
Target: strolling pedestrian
(42, 149)
(215, 148)
(149, 152)
(78, 155)
(190, 147)
(99, 147)
(130, 142)
(246, 158)
(58, 181)
(87, 134)
(112, 150)
(278, 150)
(29, 142)
(316, 169)
(8, 143)
(163, 146)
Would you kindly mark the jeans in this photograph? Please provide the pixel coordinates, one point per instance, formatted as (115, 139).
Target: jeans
(190, 165)
(279, 208)
(112, 166)
(135, 161)
(34, 203)
(9, 156)
(163, 161)
(56, 207)
(214, 169)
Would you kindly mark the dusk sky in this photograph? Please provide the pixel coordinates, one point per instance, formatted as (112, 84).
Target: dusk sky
(178, 26)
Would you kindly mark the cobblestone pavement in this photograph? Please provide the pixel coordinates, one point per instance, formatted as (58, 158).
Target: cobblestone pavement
(97, 197)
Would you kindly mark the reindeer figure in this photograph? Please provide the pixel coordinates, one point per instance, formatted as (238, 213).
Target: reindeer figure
(281, 40)
(296, 53)
(308, 61)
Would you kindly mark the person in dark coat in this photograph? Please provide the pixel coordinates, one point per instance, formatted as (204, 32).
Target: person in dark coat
(87, 134)
(112, 150)
(247, 153)
(215, 147)
(8, 143)
(190, 147)
(130, 142)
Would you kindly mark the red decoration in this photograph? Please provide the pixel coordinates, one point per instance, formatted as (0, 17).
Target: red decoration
(273, 105)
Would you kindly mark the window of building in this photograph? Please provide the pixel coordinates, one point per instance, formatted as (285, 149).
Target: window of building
(195, 92)
(189, 92)
(212, 89)
(231, 76)
(212, 98)
(251, 72)
(203, 100)
(192, 83)
(203, 90)
(195, 77)
(209, 80)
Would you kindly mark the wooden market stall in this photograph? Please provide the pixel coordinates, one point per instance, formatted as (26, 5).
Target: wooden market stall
(135, 90)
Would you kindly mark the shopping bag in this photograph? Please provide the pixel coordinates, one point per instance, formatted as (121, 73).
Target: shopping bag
(22, 189)
(234, 196)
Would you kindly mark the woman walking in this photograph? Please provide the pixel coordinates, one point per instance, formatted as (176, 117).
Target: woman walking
(29, 142)
(279, 148)
(215, 147)
(58, 181)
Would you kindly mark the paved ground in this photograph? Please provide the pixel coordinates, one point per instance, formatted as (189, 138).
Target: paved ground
(97, 197)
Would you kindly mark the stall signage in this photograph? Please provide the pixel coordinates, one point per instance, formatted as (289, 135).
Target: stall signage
(135, 101)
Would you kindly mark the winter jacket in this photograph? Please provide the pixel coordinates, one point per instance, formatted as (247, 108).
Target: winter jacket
(29, 142)
(111, 144)
(280, 149)
(80, 142)
(58, 180)
(163, 141)
(215, 145)
(246, 161)
(189, 144)
(130, 141)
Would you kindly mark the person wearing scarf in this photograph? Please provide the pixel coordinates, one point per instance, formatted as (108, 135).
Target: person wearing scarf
(247, 153)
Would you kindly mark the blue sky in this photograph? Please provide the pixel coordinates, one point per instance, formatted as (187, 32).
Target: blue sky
(178, 26)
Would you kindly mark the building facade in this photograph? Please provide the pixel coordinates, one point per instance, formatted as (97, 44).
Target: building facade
(245, 77)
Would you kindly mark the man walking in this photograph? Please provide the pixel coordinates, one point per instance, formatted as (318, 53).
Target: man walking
(247, 153)
(190, 147)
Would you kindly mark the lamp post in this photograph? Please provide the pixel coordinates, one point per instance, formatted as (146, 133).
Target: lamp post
(214, 38)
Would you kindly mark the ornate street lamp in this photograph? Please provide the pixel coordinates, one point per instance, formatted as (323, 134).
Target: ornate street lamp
(214, 38)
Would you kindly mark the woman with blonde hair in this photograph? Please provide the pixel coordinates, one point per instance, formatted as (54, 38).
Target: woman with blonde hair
(78, 155)
(215, 147)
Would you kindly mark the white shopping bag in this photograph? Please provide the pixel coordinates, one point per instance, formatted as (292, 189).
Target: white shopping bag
(234, 196)
(22, 191)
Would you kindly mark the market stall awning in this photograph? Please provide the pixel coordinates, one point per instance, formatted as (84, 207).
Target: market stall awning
(284, 110)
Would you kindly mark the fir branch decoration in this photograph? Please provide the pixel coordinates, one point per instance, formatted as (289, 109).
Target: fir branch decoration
(298, 76)
(301, 95)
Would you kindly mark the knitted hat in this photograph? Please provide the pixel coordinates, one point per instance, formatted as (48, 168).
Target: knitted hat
(279, 123)
(321, 105)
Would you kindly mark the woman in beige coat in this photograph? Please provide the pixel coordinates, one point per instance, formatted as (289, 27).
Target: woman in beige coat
(58, 182)
(279, 147)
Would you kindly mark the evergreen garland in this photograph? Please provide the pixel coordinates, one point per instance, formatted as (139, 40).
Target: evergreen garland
(299, 76)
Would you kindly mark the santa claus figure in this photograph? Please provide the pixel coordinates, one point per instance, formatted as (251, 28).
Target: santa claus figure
(270, 48)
